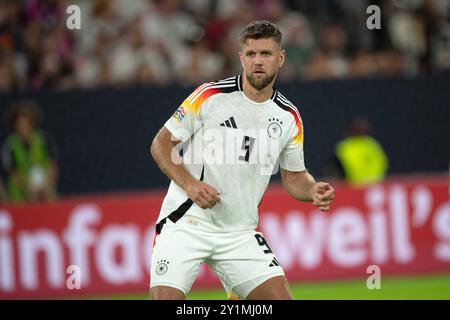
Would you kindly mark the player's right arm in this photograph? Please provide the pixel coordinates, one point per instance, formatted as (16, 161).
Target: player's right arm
(163, 151)
(183, 124)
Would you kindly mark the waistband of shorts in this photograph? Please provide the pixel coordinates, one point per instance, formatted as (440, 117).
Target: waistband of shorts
(204, 226)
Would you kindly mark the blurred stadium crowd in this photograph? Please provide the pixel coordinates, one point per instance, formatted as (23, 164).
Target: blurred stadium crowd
(159, 42)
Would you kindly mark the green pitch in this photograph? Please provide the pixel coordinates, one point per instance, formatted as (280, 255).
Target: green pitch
(419, 287)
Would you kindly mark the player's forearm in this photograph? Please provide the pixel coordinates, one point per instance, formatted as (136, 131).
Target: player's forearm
(299, 185)
(170, 163)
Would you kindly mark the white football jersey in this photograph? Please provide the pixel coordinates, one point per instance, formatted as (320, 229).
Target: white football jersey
(234, 144)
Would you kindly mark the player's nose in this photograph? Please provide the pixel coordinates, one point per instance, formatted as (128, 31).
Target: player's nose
(258, 60)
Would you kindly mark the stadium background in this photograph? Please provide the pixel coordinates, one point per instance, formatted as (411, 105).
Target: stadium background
(106, 89)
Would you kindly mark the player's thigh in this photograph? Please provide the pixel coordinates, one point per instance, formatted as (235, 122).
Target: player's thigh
(245, 262)
(159, 292)
(176, 258)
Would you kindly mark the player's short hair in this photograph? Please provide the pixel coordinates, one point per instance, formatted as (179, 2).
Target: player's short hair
(261, 29)
(24, 107)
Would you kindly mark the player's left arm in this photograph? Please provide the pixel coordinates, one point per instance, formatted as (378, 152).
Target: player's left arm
(302, 186)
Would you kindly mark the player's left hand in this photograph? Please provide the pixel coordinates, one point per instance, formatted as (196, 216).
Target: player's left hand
(322, 195)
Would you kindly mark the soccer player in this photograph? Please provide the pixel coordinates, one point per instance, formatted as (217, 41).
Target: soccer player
(210, 212)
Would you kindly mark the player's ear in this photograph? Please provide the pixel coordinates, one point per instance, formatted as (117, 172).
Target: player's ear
(282, 58)
(241, 58)
(241, 51)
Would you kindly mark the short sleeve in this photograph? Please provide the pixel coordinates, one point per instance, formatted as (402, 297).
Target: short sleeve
(187, 119)
(291, 157)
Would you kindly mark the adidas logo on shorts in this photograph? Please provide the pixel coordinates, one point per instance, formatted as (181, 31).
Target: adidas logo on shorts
(274, 263)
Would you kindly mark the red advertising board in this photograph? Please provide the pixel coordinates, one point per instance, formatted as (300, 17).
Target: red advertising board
(402, 226)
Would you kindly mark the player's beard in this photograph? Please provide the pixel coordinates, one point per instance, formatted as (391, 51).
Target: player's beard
(260, 84)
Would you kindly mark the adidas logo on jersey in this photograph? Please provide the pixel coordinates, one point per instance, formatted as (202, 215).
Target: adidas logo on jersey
(274, 263)
(230, 123)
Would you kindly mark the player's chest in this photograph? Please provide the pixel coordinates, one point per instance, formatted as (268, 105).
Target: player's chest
(241, 119)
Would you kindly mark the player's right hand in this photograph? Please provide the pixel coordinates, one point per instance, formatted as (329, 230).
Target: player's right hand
(203, 195)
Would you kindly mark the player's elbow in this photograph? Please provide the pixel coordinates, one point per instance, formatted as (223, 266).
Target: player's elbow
(163, 145)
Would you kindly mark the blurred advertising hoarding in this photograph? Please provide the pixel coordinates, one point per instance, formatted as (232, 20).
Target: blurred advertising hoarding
(402, 226)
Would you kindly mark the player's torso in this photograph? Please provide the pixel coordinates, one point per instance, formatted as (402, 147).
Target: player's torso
(247, 131)
(238, 146)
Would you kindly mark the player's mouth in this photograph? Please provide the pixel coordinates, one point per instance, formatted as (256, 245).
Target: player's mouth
(258, 72)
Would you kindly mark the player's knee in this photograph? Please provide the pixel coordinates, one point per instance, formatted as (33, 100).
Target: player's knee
(166, 293)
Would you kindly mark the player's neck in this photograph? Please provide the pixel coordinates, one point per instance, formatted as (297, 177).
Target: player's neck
(255, 94)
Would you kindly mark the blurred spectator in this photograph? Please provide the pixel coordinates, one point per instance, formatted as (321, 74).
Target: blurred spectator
(171, 28)
(6, 73)
(299, 44)
(11, 60)
(370, 64)
(358, 158)
(157, 42)
(28, 155)
(202, 65)
(407, 32)
(438, 34)
(330, 61)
